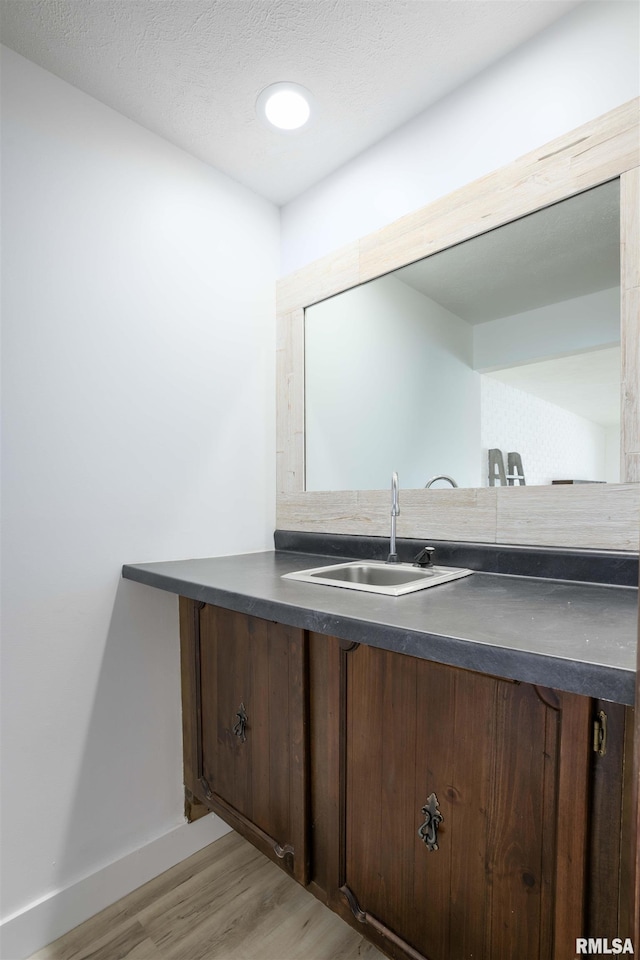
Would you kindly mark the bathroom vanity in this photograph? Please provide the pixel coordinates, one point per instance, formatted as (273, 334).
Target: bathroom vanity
(449, 771)
(501, 725)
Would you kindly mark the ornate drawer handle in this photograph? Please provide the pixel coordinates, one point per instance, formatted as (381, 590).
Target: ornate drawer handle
(428, 832)
(240, 727)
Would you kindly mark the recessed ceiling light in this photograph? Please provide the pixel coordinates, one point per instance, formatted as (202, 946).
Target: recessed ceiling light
(286, 106)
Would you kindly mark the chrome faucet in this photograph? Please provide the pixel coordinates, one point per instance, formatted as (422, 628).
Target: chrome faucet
(395, 510)
(440, 476)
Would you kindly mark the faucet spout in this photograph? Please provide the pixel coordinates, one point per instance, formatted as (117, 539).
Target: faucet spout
(395, 510)
(440, 476)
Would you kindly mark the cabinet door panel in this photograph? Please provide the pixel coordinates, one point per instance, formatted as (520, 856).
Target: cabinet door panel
(456, 765)
(490, 751)
(226, 684)
(245, 749)
(520, 835)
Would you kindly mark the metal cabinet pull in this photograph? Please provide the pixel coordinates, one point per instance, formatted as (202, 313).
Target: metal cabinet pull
(428, 832)
(240, 727)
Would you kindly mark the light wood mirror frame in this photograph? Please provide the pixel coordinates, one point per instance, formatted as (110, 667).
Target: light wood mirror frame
(598, 516)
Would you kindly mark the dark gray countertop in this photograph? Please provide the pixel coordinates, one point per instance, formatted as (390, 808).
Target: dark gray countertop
(578, 637)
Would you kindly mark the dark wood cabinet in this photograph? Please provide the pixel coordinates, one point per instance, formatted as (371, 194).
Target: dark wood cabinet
(244, 728)
(501, 761)
(332, 757)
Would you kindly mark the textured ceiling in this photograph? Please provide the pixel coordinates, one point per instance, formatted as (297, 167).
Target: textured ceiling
(190, 70)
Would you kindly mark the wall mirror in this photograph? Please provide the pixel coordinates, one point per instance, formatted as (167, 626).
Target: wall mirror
(507, 342)
(461, 260)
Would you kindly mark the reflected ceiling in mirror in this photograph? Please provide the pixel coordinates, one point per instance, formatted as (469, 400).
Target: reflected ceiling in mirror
(508, 341)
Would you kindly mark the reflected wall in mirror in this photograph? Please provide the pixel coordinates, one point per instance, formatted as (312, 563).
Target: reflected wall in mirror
(510, 340)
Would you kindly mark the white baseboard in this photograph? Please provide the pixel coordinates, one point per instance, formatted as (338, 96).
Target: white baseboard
(44, 921)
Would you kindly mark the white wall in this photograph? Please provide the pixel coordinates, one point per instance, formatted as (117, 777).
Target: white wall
(554, 443)
(579, 68)
(612, 454)
(389, 385)
(555, 330)
(138, 424)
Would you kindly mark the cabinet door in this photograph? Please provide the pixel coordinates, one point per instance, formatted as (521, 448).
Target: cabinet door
(507, 765)
(244, 726)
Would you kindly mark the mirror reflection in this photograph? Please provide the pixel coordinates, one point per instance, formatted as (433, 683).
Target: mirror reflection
(496, 361)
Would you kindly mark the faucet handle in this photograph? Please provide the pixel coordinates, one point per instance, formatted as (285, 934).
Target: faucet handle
(425, 557)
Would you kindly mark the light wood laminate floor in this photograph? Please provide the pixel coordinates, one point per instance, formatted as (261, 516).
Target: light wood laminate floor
(226, 902)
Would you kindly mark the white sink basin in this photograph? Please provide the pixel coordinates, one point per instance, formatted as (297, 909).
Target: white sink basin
(376, 576)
